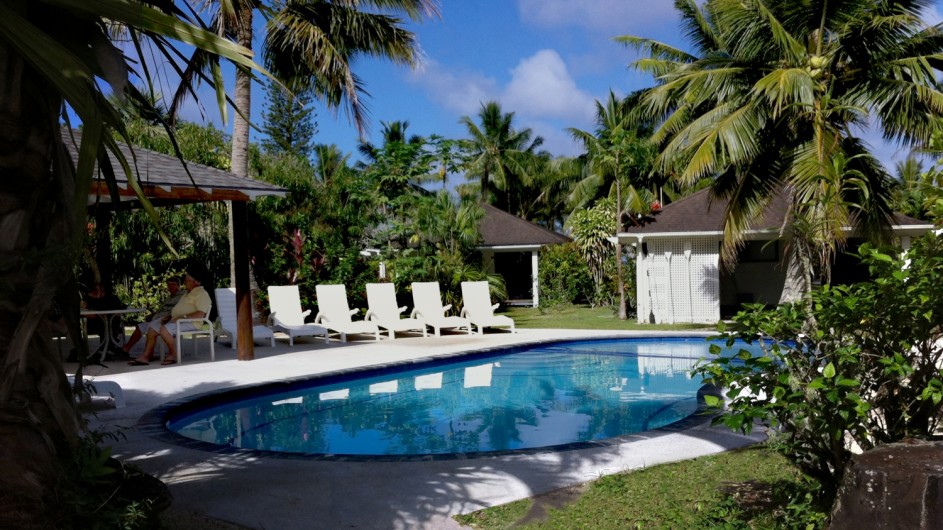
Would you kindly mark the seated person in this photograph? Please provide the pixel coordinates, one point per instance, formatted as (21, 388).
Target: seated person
(196, 303)
(176, 293)
(99, 299)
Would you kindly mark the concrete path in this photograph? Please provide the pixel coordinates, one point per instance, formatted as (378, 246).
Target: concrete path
(292, 493)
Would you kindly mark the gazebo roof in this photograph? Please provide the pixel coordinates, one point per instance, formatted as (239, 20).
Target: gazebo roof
(700, 214)
(501, 230)
(165, 180)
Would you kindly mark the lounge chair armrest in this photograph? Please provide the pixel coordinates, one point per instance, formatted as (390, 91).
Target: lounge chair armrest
(464, 313)
(401, 309)
(318, 317)
(371, 315)
(415, 313)
(446, 308)
(304, 314)
(495, 306)
(353, 311)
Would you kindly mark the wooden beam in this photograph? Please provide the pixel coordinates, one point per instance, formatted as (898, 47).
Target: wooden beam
(245, 345)
(189, 194)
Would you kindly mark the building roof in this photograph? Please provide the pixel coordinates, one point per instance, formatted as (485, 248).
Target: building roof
(500, 229)
(700, 213)
(165, 180)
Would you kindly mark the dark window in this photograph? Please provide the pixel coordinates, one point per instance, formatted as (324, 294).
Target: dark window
(757, 251)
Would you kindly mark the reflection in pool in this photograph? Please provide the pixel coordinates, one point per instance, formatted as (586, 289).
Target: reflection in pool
(544, 395)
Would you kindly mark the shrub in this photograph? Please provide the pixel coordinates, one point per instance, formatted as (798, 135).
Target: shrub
(564, 276)
(850, 367)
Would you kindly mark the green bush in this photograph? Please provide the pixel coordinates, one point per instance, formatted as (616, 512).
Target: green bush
(852, 366)
(564, 276)
(147, 292)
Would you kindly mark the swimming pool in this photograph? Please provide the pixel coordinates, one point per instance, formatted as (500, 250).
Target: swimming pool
(545, 395)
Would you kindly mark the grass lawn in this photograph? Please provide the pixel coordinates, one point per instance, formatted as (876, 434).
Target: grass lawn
(746, 488)
(583, 317)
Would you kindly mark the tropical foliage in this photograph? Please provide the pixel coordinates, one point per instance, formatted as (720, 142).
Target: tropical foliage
(499, 156)
(564, 277)
(867, 373)
(591, 229)
(310, 47)
(772, 97)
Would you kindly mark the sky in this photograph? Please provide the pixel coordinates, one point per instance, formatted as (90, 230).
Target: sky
(547, 61)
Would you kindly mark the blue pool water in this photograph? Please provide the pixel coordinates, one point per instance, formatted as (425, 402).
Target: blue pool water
(539, 396)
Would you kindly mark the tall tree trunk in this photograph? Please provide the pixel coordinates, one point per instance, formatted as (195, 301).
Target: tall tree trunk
(242, 98)
(623, 314)
(39, 424)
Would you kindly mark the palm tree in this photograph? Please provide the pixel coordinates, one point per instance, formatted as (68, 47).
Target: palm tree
(309, 45)
(498, 154)
(616, 158)
(329, 160)
(770, 99)
(58, 56)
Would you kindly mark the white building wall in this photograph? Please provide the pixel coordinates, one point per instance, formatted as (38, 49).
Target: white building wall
(682, 280)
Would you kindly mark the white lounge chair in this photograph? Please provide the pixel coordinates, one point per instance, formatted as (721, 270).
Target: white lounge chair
(476, 297)
(334, 313)
(226, 309)
(287, 316)
(383, 309)
(427, 306)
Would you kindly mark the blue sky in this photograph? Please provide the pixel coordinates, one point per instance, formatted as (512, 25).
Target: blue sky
(545, 60)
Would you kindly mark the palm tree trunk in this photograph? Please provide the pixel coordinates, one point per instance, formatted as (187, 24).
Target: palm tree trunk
(39, 424)
(623, 314)
(242, 98)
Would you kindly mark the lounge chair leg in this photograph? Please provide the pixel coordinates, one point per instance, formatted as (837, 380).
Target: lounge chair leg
(343, 337)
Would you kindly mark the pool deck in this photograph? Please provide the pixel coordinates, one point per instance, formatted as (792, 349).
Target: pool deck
(292, 493)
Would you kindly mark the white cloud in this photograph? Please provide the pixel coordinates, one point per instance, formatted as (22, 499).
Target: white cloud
(621, 16)
(458, 91)
(556, 140)
(541, 87)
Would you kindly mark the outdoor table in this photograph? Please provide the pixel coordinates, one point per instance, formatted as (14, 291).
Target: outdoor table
(108, 316)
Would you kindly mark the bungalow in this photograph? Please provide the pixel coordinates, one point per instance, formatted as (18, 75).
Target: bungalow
(510, 246)
(678, 273)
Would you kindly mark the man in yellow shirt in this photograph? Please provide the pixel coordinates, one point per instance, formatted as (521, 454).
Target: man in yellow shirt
(195, 304)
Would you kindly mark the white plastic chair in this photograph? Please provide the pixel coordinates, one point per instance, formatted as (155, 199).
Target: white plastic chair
(427, 306)
(287, 316)
(383, 309)
(334, 313)
(477, 308)
(207, 330)
(226, 309)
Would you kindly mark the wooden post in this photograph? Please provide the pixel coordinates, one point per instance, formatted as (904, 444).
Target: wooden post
(245, 345)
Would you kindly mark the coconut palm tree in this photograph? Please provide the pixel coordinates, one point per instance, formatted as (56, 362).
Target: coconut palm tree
(772, 97)
(498, 154)
(309, 45)
(616, 162)
(329, 160)
(59, 60)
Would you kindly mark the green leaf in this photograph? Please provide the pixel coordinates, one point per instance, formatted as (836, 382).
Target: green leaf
(829, 371)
